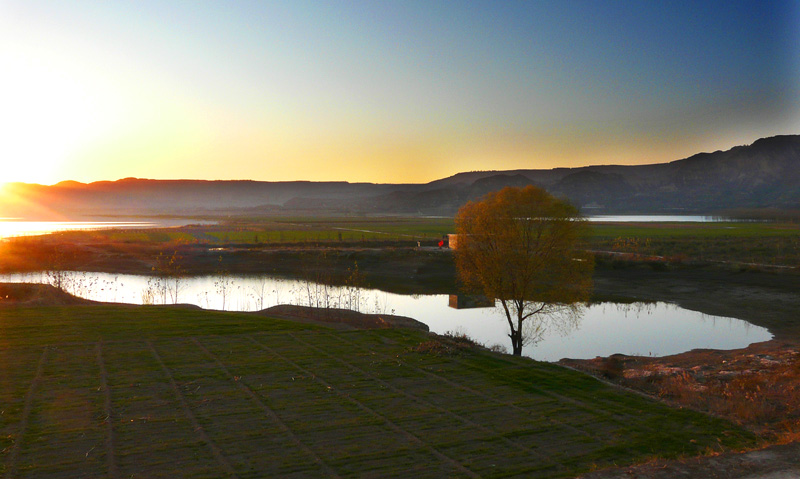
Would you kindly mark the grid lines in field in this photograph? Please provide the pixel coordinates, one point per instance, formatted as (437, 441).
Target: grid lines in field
(307, 404)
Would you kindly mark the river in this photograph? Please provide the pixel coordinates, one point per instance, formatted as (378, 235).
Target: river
(656, 329)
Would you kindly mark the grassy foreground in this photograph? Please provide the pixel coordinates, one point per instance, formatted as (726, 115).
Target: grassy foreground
(114, 391)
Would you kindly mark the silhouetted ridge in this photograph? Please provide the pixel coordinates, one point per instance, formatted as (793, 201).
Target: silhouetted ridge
(765, 174)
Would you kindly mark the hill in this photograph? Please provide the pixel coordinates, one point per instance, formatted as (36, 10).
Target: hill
(765, 174)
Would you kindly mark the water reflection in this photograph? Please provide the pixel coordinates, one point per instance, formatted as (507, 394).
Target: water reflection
(659, 219)
(641, 328)
(469, 301)
(13, 227)
(550, 320)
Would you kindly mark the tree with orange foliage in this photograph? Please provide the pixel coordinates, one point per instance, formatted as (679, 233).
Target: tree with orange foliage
(522, 246)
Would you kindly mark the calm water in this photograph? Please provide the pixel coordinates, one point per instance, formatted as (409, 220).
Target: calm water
(648, 329)
(658, 219)
(12, 227)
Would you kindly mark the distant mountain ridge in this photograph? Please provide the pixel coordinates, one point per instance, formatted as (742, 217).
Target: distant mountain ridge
(765, 174)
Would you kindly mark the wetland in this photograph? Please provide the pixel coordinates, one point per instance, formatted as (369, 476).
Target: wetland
(746, 271)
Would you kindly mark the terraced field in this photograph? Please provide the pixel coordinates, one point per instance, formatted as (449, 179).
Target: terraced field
(113, 391)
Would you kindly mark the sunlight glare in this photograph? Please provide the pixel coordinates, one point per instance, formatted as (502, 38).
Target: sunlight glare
(47, 114)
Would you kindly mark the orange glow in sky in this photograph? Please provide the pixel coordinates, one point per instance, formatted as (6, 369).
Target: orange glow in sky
(384, 92)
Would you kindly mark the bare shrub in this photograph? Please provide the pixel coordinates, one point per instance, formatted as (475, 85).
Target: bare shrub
(768, 400)
(497, 348)
(612, 368)
(448, 344)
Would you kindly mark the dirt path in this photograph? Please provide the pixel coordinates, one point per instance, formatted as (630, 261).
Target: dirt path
(775, 462)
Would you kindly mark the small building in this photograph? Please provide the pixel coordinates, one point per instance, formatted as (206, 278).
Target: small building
(452, 241)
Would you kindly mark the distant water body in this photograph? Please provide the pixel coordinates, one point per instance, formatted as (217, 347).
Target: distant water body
(13, 227)
(658, 219)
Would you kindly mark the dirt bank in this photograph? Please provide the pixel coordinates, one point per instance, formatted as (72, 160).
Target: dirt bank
(14, 294)
(342, 318)
(757, 387)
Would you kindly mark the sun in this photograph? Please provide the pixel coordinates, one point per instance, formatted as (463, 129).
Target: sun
(48, 113)
(42, 123)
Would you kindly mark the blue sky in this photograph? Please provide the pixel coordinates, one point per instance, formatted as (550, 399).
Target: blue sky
(385, 91)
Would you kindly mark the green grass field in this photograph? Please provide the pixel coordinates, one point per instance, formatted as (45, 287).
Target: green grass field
(740, 243)
(743, 242)
(331, 229)
(694, 230)
(334, 229)
(283, 230)
(110, 391)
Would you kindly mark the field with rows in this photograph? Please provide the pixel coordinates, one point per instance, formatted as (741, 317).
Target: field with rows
(124, 391)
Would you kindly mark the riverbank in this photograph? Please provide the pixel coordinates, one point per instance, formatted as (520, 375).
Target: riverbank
(766, 298)
(757, 387)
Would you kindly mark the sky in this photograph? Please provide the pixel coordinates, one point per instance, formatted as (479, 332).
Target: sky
(384, 91)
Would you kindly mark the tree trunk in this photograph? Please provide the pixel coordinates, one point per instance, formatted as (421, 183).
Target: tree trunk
(516, 338)
(516, 333)
(516, 343)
